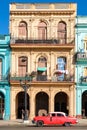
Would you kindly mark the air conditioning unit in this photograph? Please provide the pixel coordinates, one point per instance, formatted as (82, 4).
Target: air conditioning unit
(81, 55)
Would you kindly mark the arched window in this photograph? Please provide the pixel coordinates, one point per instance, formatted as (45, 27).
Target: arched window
(42, 69)
(62, 32)
(22, 30)
(61, 67)
(42, 30)
(42, 62)
(22, 65)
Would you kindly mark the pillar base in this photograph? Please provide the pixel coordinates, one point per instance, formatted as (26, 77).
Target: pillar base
(26, 121)
(79, 116)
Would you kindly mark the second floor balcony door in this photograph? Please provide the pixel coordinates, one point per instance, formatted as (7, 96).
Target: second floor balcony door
(42, 31)
(22, 30)
(42, 69)
(62, 32)
(61, 61)
(22, 67)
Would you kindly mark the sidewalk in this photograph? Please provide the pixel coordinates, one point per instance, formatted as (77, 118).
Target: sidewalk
(14, 122)
(81, 122)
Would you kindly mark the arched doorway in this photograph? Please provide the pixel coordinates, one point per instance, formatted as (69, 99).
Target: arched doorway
(22, 30)
(42, 69)
(1, 105)
(42, 30)
(84, 104)
(42, 101)
(20, 102)
(62, 32)
(61, 102)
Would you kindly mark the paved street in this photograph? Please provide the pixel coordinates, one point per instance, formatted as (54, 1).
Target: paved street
(19, 122)
(42, 128)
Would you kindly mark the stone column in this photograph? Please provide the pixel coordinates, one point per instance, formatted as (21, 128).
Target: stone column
(13, 107)
(78, 103)
(32, 104)
(7, 104)
(71, 101)
(51, 100)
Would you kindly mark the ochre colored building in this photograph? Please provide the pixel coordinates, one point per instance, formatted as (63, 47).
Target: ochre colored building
(42, 41)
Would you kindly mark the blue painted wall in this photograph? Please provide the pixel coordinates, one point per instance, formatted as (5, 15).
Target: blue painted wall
(81, 35)
(4, 81)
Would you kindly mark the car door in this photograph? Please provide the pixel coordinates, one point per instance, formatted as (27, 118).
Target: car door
(60, 119)
(53, 118)
(50, 119)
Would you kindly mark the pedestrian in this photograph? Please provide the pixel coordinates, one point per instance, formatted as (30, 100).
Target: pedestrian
(23, 114)
(3, 114)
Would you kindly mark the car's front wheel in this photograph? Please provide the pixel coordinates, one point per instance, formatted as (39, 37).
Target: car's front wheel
(40, 123)
(67, 124)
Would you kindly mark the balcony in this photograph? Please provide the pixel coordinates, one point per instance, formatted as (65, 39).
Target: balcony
(83, 80)
(17, 78)
(81, 57)
(63, 43)
(4, 78)
(40, 78)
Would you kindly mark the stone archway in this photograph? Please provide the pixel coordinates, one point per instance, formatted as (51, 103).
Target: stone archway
(84, 104)
(2, 105)
(42, 103)
(20, 102)
(61, 102)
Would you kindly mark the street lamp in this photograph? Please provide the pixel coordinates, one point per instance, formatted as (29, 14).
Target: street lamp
(25, 84)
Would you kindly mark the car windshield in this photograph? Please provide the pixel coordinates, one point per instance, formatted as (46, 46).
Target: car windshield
(66, 114)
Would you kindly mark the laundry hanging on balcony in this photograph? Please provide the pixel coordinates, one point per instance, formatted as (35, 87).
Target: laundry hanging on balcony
(60, 72)
(42, 69)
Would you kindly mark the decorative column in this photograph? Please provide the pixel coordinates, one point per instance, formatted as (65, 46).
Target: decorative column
(71, 101)
(51, 100)
(7, 104)
(13, 106)
(78, 103)
(32, 104)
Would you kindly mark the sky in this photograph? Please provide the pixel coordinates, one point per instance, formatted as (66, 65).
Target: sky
(4, 10)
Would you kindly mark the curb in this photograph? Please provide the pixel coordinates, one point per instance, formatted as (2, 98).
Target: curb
(81, 122)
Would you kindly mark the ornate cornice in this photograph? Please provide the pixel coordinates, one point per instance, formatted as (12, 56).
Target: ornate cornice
(40, 12)
(26, 46)
(39, 84)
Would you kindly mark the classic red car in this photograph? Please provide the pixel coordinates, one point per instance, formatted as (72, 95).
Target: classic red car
(54, 118)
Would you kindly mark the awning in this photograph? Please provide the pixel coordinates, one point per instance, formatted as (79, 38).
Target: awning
(41, 69)
(59, 72)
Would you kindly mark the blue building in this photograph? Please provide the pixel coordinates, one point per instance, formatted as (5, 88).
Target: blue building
(4, 77)
(81, 66)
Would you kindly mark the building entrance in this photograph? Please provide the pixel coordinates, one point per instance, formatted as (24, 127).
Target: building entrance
(1, 105)
(21, 104)
(84, 104)
(42, 103)
(61, 102)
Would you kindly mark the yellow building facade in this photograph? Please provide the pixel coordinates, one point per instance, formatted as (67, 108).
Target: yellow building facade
(42, 41)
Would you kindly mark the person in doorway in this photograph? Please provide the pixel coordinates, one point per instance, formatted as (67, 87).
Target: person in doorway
(3, 114)
(23, 114)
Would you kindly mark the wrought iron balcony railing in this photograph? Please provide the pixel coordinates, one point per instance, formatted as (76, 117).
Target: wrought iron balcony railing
(20, 77)
(83, 79)
(81, 56)
(4, 78)
(41, 78)
(43, 41)
(67, 78)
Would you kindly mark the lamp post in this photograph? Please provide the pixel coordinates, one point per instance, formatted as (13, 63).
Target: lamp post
(25, 84)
